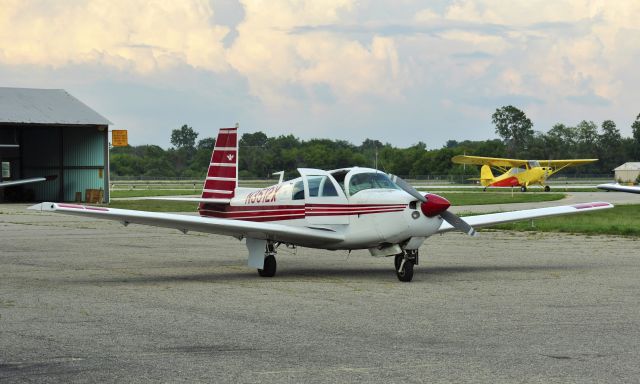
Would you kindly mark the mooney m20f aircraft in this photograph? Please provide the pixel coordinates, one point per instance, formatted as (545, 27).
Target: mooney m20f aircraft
(342, 209)
(620, 188)
(517, 173)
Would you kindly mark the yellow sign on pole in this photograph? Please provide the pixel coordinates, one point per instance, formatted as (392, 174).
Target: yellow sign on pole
(119, 138)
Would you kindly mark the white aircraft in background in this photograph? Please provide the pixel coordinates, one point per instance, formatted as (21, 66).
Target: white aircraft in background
(619, 188)
(346, 209)
(11, 183)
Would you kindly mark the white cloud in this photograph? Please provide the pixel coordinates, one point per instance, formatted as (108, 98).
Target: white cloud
(339, 61)
(142, 36)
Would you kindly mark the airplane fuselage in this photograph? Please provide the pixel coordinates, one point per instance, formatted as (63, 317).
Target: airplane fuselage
(368, 218)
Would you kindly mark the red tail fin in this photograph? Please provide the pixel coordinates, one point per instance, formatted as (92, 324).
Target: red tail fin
(222, 177)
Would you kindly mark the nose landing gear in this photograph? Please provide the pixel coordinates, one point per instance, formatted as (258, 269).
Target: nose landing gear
(404, 263)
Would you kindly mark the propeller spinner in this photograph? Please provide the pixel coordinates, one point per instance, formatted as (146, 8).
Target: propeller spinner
(433, 205)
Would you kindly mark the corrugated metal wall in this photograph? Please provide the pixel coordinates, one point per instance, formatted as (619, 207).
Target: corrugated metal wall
(81, 150)
(83, 161)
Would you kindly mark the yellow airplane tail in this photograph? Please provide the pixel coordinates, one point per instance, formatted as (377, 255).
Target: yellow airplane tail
(485, 175)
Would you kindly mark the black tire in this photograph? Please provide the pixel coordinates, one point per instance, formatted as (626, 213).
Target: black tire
(398, 260)
(547, 188)
(269, 269)
(406, 273)
(523, 189)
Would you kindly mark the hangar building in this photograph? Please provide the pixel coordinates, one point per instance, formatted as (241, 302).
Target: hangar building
(48, 132)
(628, 172)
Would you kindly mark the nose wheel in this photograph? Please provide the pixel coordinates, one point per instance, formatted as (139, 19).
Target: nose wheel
(404, 263)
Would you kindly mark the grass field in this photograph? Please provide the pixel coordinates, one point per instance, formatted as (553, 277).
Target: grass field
(152, 192)
(483, 198)
(155, 205)
(622, 220)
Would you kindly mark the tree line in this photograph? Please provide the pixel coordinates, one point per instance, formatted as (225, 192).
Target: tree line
(261, 155)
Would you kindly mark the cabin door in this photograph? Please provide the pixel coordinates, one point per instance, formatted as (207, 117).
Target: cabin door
(325, 201)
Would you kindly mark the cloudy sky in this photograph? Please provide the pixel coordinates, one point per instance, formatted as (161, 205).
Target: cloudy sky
(398, 71)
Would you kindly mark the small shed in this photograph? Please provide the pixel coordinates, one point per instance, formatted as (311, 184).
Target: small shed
(628, 172)
(49, 133)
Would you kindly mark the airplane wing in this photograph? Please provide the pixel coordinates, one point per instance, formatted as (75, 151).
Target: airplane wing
(491, 161)
(25, 181)
(237, 228)
(564, 163)
(619, 188)
(507, 217)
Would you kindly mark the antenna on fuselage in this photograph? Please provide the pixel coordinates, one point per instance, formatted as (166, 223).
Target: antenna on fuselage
(281, 173)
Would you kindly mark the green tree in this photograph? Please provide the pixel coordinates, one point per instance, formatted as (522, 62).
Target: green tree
(635, 129)
(515, 128)
(206, 144)
(610, 145)
(185, 137)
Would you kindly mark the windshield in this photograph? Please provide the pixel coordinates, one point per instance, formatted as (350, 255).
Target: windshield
(361, 181)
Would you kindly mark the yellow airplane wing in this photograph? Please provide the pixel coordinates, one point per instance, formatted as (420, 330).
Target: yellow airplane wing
(490, 161)
(564, 163)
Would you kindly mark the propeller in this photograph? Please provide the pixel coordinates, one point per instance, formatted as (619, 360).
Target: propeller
(433, 205)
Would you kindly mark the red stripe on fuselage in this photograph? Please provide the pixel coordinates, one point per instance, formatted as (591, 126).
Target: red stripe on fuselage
(290, 212)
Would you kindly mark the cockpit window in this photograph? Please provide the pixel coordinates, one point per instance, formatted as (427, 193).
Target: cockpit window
(533, 164)
(361, 181)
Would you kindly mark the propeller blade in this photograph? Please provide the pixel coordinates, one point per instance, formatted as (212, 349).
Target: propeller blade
(408, 188)
(459, 224)
(449, 217)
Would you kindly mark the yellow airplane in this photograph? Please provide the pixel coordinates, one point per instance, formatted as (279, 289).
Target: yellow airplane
(515, 172)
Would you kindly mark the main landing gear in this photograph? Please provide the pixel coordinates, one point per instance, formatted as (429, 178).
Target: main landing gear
(270, 265)
(523, 188)
(547, 188)
(404, 263)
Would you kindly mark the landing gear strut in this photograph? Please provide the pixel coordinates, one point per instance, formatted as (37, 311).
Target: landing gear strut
(270, 265)
(404, 263)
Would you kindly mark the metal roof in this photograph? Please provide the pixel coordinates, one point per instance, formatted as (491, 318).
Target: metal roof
(45, 106)
(630, 166)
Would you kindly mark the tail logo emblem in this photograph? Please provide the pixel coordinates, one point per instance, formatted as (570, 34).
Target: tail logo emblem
(230, 157)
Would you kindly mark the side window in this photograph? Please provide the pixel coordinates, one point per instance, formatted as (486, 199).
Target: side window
(314, 185)
(321, 186)
(328, 189)
(298, 191)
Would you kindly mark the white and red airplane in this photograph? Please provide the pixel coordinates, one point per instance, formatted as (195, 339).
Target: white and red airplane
(342, 209)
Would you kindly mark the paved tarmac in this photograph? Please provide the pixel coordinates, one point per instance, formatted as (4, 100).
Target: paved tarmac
(83, 300)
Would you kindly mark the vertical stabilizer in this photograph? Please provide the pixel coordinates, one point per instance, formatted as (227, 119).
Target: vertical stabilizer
(222, 177)
(486, 176)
